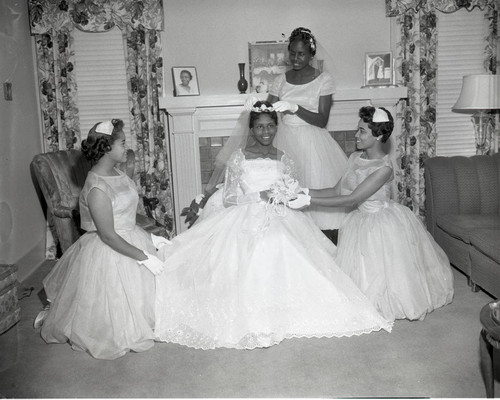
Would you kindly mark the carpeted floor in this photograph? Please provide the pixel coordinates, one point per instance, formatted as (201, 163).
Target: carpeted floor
(437, 357)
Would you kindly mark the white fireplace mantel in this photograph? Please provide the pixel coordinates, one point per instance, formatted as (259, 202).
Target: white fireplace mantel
(193, 117)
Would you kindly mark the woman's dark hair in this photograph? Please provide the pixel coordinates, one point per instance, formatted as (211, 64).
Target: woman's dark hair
(255, 114)
(97, 144)
(383, 129)
(187, 72)
(305, 36)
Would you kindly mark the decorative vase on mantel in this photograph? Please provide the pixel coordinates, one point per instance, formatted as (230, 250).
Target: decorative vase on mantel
(242, 83)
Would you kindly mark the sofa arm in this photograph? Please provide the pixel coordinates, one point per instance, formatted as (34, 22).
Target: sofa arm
(441, 188)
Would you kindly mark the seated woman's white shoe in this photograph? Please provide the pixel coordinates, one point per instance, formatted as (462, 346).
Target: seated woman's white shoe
(41, 316)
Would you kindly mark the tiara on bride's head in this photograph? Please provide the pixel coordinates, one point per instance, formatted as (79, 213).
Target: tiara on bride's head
(312, 40)
(262, 108)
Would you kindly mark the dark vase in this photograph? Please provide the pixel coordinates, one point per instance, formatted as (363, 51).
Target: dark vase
(242, 83)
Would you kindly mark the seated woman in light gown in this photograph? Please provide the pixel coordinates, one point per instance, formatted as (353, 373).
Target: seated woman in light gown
(102, 290)
(255, 272)
(383, 246)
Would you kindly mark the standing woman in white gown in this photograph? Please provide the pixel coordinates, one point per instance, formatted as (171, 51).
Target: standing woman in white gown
(383, 246)
(254, 272)
(304, 95)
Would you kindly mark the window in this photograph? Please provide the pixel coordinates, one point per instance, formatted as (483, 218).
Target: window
(460, 52)
(101, 79)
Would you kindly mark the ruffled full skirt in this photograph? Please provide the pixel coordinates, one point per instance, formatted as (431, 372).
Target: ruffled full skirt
(244, 278)
(395, 261)
(101, 301)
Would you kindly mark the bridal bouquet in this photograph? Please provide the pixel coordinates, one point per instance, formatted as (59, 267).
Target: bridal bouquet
(282, 192)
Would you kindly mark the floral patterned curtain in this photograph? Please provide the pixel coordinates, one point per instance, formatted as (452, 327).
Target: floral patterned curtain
(401, 7)
(94, 15)
(52, 23)
(417, 50)
(144, 73)
(58, 95)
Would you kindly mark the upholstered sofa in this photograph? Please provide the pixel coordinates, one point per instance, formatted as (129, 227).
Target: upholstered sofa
(59, 177)
(463, 215)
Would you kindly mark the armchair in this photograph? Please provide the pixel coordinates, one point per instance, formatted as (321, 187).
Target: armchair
(59, 177)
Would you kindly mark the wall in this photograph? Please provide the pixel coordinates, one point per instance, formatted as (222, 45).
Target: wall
(22, 224)
(213, 35)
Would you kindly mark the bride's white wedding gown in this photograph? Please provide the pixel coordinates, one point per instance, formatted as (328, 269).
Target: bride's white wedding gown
(248, 276)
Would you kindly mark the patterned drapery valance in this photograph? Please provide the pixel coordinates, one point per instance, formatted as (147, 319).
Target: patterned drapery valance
(401, 7)
(94, 15)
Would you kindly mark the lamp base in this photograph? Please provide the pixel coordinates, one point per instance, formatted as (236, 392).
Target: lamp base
(483, 127)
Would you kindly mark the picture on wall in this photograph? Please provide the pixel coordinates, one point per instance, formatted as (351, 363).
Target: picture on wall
(378, 69)
(185, 81)
(267, 60)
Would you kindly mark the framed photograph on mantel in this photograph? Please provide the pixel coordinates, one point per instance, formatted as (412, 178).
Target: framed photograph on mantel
(267, 60)
(379, 69)
(185, 81)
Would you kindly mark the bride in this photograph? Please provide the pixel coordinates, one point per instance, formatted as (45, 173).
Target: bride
(255, 272)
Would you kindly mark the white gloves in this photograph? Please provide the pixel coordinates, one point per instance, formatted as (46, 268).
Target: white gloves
(282, 106)
(159, 241)
(249, 102)
(302, 200)
(153, 263)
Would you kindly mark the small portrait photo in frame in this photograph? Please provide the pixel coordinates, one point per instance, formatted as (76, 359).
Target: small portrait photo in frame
(379, 69)
(185, 81)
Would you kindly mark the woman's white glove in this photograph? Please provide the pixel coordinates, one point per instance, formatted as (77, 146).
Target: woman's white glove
(249, 102)
(159, 241)
(153, 263)
(302, 200)
(282, 106)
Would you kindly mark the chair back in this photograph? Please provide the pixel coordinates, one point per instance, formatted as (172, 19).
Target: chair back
(59, 177)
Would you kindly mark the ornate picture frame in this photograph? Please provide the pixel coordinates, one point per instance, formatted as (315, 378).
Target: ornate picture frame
(266, 60)
(185, 81)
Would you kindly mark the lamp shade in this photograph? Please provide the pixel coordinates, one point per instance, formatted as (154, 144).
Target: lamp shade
(479, 92)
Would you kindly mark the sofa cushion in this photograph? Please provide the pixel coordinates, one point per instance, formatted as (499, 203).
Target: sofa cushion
(487, 241)
(461, 226)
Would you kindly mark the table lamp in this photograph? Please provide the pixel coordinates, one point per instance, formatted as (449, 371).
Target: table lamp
(480, 96)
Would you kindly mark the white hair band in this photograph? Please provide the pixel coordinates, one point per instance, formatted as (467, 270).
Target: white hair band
(105, 127)
(380, 116)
